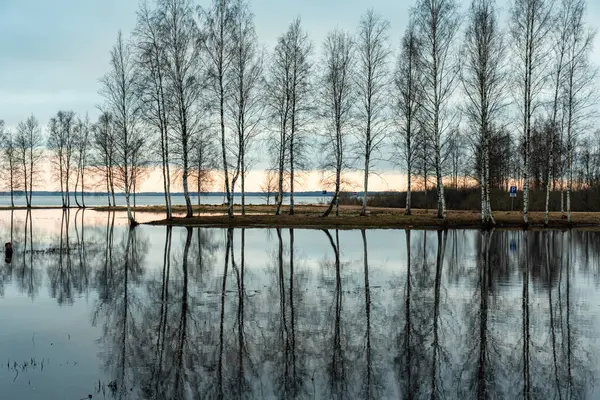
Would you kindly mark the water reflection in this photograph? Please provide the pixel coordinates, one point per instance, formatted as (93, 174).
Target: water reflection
(188, 313)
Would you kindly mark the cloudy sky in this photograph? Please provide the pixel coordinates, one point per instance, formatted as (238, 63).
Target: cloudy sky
(52, 52)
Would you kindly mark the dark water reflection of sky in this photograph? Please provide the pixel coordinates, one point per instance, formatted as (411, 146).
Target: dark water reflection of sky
(89, 308)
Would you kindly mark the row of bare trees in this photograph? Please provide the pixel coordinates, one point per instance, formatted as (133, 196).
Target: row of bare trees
(193, 91)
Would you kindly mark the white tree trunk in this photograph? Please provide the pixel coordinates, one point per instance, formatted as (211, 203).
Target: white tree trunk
(365, 186)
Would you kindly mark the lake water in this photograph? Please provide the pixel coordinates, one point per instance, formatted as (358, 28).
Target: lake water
(88, 307)
(153, 200)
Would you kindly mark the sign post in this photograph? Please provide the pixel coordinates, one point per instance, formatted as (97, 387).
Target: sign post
(513, 193)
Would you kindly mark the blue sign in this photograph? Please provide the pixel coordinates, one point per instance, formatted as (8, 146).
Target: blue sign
(513, 191)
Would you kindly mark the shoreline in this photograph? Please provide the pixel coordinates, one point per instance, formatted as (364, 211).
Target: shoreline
(309, 217)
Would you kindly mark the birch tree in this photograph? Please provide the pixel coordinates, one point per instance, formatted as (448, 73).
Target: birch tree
(118, 88)
(28, 145)
(579, 84)
(407, 85)
(62, 143)
(83, 137)
(204, 160)
(66, 120)
(437, 22)
(298, 94)
(56, 145)
(182, 43)
(8, 161)
(337, 98)
(372, 81)
(484, 82)
(245, 103)
(530, 23)
(278, 111)
(560, 32)
(218, 43)
(104, 144)
(151, 60)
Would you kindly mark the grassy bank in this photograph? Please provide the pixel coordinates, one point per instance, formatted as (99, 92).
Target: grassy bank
(309, 216)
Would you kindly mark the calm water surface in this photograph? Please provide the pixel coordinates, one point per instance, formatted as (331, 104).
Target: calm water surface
(153, 200)
(88, 307)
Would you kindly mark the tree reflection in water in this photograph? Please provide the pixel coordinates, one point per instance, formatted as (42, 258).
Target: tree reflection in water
(231, 314)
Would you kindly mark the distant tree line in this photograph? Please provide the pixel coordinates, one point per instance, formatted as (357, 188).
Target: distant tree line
(464, 99)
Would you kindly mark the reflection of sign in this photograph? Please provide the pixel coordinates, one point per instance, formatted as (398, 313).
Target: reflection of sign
(324, 192)
(513, 191)
(513, 245)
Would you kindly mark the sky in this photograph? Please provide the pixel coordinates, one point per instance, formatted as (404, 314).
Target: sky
(52, 53)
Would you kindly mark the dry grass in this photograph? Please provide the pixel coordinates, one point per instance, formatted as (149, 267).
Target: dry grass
(309, 216)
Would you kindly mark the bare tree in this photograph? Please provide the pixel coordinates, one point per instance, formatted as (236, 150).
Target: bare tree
(8, 161)
(278, 110)
(484, 81)
(62, 142)
(182, 45)
(437, 22)
(579, 84)
(372, 81)
(83, 135)
(560, 31)
(28, 145)
(299, 49)
(245, 105)
(531, 20)
(203, 160)
(269, 185)
(56, 145)
(152, 66)
(104, 154)
(119, 91)
(218, 44)
(337, 98)
(407, 84)
(288, 93)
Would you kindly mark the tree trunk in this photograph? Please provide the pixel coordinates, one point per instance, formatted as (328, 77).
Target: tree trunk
(130, 218)
(75, 190)
(292, 174)
(569, 182)
(408, 189)
(489, 214)
(82, 188)
(549, 178)
(243, 183)
(186, 193)
(279, 198)
(198, 184)
(483, 203)
(12, 187)
(440, 186)
(166, 174)
(30, 176)
(363, 211)
(107, 190)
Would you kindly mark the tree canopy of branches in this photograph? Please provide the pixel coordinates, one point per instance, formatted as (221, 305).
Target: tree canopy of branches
(407, 85)
(119, 92)
(337, 97)
(484, 82)
(372, 81)
(437, 23)
(28, 146)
